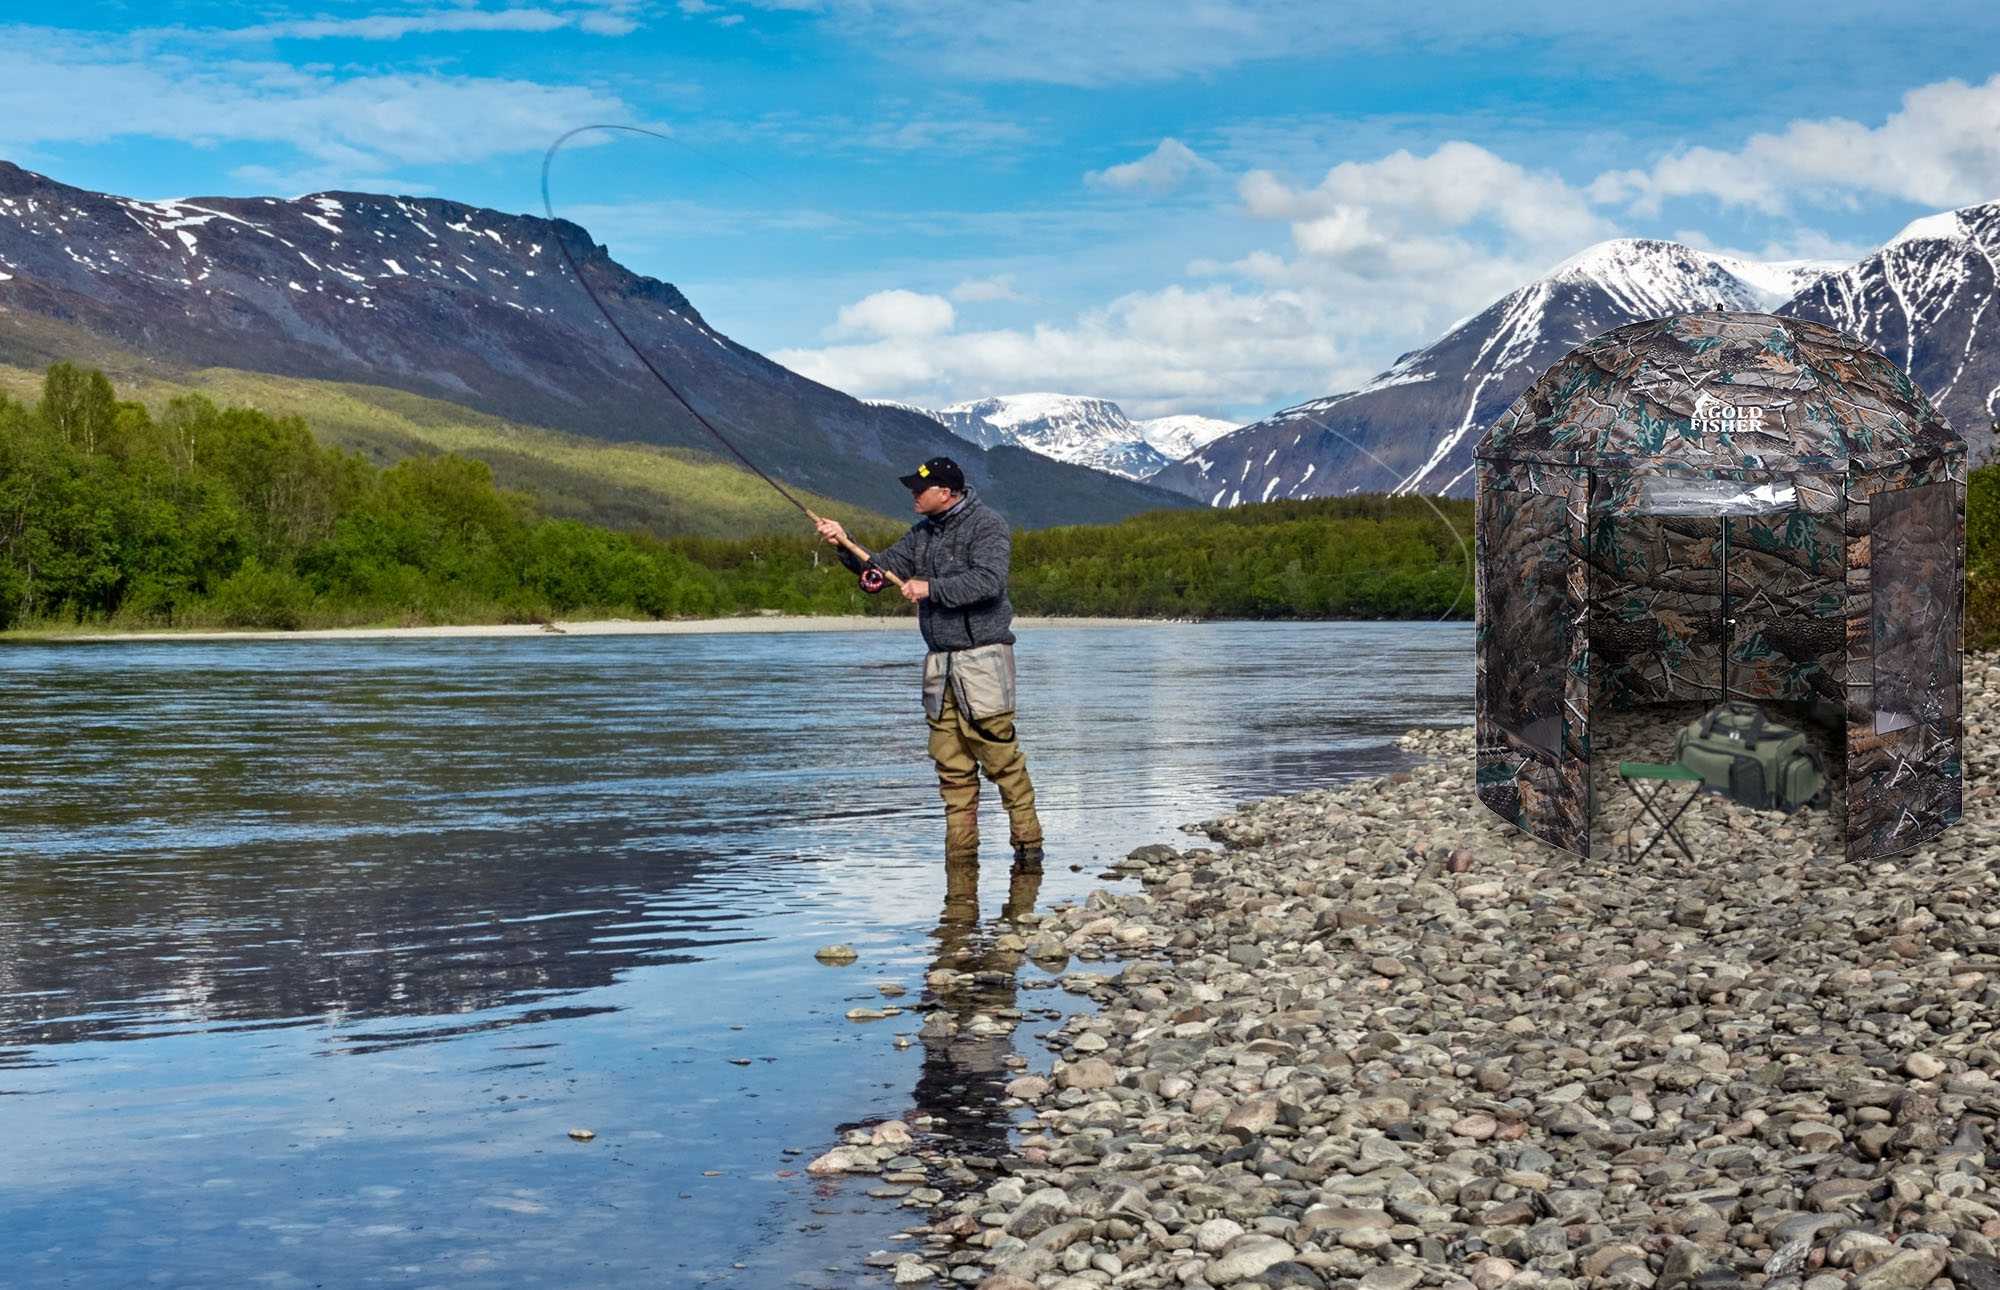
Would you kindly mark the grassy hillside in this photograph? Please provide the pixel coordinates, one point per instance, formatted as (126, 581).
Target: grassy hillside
(666, 492)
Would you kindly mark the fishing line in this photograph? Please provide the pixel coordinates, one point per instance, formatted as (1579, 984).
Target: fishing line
(1448, 525)
(562, 244)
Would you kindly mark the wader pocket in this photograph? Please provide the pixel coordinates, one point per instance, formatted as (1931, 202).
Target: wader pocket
(937, 664)
(984, 680)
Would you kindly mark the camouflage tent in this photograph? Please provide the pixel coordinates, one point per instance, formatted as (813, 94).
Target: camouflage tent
(1614, 493)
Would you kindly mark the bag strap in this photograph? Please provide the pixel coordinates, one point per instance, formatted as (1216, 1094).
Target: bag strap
(1751, 710)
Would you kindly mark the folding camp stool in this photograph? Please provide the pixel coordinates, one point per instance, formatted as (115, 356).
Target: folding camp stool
(1663, 778)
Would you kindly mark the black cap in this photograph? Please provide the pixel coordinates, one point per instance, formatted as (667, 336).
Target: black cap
(938, 470)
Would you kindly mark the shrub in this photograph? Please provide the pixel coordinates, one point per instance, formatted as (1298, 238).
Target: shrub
(255, 596)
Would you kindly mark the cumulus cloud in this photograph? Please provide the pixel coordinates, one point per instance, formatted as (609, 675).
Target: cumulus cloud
(1165, 168)
(1155, 352)
(1941, 148)
(1408, 243)
(1459, 184)
(896, 315)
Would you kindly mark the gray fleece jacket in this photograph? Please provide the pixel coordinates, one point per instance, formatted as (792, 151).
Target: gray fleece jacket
(963, 553)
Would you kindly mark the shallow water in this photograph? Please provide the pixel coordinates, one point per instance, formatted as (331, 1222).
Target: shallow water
(312, 952)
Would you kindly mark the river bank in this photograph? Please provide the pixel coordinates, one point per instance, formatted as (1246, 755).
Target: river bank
(760, 623)
(1384, 1039)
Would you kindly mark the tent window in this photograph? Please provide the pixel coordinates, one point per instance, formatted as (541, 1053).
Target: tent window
(1682, 495)
(1524, 651)
(1913, 541)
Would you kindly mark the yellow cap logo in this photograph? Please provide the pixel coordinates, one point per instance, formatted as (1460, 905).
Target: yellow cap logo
(923, 472)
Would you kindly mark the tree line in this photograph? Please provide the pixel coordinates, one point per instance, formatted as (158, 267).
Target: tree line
(201, 515)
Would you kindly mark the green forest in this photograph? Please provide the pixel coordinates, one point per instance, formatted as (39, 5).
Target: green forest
(114, 516)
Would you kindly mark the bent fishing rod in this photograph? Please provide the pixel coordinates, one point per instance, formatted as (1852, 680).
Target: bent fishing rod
(871, 573)
(873, 576)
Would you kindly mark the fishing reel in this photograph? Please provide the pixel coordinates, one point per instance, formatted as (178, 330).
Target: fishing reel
(873, 579)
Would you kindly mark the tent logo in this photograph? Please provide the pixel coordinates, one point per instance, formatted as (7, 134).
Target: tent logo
(1714, 416)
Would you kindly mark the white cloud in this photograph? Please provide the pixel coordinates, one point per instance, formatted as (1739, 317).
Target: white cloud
(1941, 148)
(896, 315)
(609, 18)
(59, 89)
(1406, 244)
(974, 290)
(397, 26)
(1155, 352)
(1458, 184)
(1165, 168)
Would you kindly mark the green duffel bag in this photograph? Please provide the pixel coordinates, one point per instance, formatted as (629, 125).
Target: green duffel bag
(1756, 764)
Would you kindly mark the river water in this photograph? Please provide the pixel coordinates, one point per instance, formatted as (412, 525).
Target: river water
(311, 953)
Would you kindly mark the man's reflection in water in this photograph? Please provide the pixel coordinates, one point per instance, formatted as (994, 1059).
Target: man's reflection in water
(972, 980)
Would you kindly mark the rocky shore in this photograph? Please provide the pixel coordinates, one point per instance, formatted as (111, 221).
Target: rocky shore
(1377, 1037)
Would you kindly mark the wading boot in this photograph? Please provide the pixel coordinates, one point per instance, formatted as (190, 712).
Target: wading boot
(1028, 857)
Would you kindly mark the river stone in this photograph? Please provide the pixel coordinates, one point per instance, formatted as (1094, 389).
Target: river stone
(1252, 1118)
(1041, 1211)
(1907, 1270)
(1685, 1261)
(1090, 1073)
(1246, 956)
(844, 1160)
(1923, 1066)
(835, 955)
(1391, 1278)
(1478, 1125)
(1028, 1088)
(1215, 1235)
(1287, 1275)
(1246, 1257)
(1976, 1272)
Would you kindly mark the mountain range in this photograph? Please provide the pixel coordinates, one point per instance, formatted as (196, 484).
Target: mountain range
(1413, 428)
(1927, 300)
(476, 307)
(1081, 430)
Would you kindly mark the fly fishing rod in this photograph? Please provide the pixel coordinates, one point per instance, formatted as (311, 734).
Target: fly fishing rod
(873, 576)
(871, 572)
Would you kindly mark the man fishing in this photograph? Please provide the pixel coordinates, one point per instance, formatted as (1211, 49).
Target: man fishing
(952, 565)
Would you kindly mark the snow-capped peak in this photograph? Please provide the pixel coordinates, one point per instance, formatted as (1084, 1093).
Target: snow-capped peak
(1650, 277)
(901, 407)
(1179, 436)
(1945, 226)
(1068, 427)
(1011, 410)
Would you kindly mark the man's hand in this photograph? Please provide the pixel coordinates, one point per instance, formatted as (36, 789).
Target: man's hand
(916, 589)
(832, 532)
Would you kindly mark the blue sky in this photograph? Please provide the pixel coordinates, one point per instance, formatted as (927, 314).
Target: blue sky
(1218, 206)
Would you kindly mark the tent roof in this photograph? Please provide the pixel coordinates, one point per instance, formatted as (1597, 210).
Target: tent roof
(1720, 390)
